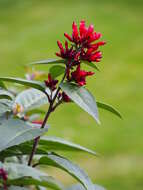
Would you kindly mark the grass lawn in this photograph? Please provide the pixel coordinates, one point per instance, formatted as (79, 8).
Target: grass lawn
(29, 30)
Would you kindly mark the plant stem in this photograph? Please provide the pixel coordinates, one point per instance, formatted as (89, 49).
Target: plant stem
(36, 141)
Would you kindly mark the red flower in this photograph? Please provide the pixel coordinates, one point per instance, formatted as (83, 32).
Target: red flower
(85, 42)
(51, 83)
(67, 53)
(4, 176)
(86, 35)
(91, 55)
(79, 76)
(65, 97)
(84, 47)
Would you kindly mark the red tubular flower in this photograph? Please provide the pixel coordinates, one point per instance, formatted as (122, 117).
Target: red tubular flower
(4, 176)
(68, 37)
(85, 42)
(75, 35)
(65, 97)
(65, 53)
(69, 54)
(79, 76)
(84, 47)
(85, 36)
(51, 83)
(91, 55)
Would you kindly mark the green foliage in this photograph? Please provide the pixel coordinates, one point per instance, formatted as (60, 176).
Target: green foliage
(15, 131)
(18, 132)
(46, 144)
(109, 108)
(81, 97)
(34, 84)
(92, 65)
(5, 106)
(59, 144)
(23, 152)
(66, 165)
(20, 174)
(30, 99)
(56, 70)
(48, 62)
(4, 94)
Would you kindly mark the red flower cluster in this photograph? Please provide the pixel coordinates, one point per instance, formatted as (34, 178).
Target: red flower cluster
(85, 37)
(4, 176)
(84, 47)
(85, 41)
(79, 76)
(71, 55)
(51, 83)
(65, 97)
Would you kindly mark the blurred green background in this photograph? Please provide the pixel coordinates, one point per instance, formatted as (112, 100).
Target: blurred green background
(29, 31)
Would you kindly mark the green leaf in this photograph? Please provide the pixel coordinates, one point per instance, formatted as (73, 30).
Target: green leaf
(20, 150)
(16, 131)
(30, 99)
(49, 61)
(30, 83)
(55, 143)
(4, 107)
(45, 144)
(44, 181)
(91, 65)
(19, 174)
(80, 187)
(108, 108)
(6, 102)
(64, 164)
(6, 95)
(81, 97)
(56, 70)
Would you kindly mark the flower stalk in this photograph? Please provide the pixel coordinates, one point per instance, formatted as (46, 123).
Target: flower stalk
(50, 109)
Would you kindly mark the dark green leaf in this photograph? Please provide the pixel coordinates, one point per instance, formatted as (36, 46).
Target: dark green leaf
(45, 144)
(91, 65)
(49, 61)
(55, 143)
(30, 83)
(6, 95)
(81, 97)
(109, 108)
(64, 164)
(20, 150)
(15, 131)
(56, 70)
